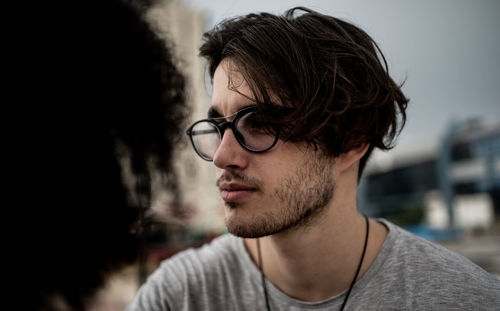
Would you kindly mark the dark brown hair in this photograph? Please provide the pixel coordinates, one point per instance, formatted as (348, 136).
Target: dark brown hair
(331, 73)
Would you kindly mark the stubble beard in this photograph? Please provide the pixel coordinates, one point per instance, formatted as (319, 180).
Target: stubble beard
(300, 200)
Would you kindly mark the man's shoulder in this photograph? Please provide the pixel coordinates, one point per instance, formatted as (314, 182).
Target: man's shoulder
(198, 268)
(414, 262)
(192, 278)
(408, 246)
(411, 273)
(225, 247)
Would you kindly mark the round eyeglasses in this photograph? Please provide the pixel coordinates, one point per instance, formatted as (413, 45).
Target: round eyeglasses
(249, 130)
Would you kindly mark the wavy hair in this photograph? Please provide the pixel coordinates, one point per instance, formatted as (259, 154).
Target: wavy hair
(330, 72)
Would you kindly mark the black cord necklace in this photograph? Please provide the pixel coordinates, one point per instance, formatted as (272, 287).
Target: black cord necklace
(350, 287)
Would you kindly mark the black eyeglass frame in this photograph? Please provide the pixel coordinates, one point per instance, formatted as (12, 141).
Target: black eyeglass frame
(221, 128)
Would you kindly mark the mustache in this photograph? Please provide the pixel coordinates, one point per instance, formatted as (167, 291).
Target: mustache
(238, 176)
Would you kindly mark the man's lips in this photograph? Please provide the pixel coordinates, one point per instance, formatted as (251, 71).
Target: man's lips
(231, 192)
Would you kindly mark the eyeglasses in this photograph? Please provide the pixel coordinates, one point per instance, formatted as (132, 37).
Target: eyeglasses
(248, 128)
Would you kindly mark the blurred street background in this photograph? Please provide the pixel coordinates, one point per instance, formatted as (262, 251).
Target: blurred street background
(442, 180)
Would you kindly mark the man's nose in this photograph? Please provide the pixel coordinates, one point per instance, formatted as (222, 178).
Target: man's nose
(230, 154)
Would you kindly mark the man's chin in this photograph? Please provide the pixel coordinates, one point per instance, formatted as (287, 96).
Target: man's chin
(239, 227)
(250, 229)
(246, 234)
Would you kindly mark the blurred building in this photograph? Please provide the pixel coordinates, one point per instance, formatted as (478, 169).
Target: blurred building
(452, 181)
(199, 204)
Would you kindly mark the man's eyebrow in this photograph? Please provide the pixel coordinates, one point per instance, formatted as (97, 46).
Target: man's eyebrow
(212, 113)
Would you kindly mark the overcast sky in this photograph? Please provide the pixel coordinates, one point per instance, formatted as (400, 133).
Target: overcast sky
(448, 51)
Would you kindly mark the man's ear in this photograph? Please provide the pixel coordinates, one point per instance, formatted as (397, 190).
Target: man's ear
(346, 160)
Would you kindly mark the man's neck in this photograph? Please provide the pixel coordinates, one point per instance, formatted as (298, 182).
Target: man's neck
(320, 261)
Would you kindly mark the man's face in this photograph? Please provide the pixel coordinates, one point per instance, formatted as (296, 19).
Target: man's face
(286, 187)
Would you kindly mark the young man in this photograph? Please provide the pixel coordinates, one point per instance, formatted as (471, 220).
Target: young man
(299, 102)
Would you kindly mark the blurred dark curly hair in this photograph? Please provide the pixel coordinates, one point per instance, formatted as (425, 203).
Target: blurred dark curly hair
(102, 84)
(330, 72)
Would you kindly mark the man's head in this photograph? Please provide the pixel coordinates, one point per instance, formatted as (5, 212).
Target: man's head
(315, 84)
(328, 71)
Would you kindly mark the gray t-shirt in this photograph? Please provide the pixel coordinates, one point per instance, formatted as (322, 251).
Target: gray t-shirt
(409, 273)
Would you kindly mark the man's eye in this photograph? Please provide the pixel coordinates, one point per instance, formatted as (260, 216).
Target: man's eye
(254, 124)
(257, 128)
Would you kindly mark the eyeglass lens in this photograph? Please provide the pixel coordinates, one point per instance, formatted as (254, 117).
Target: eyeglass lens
(253, 131)
(206, 139)
(251, 134)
